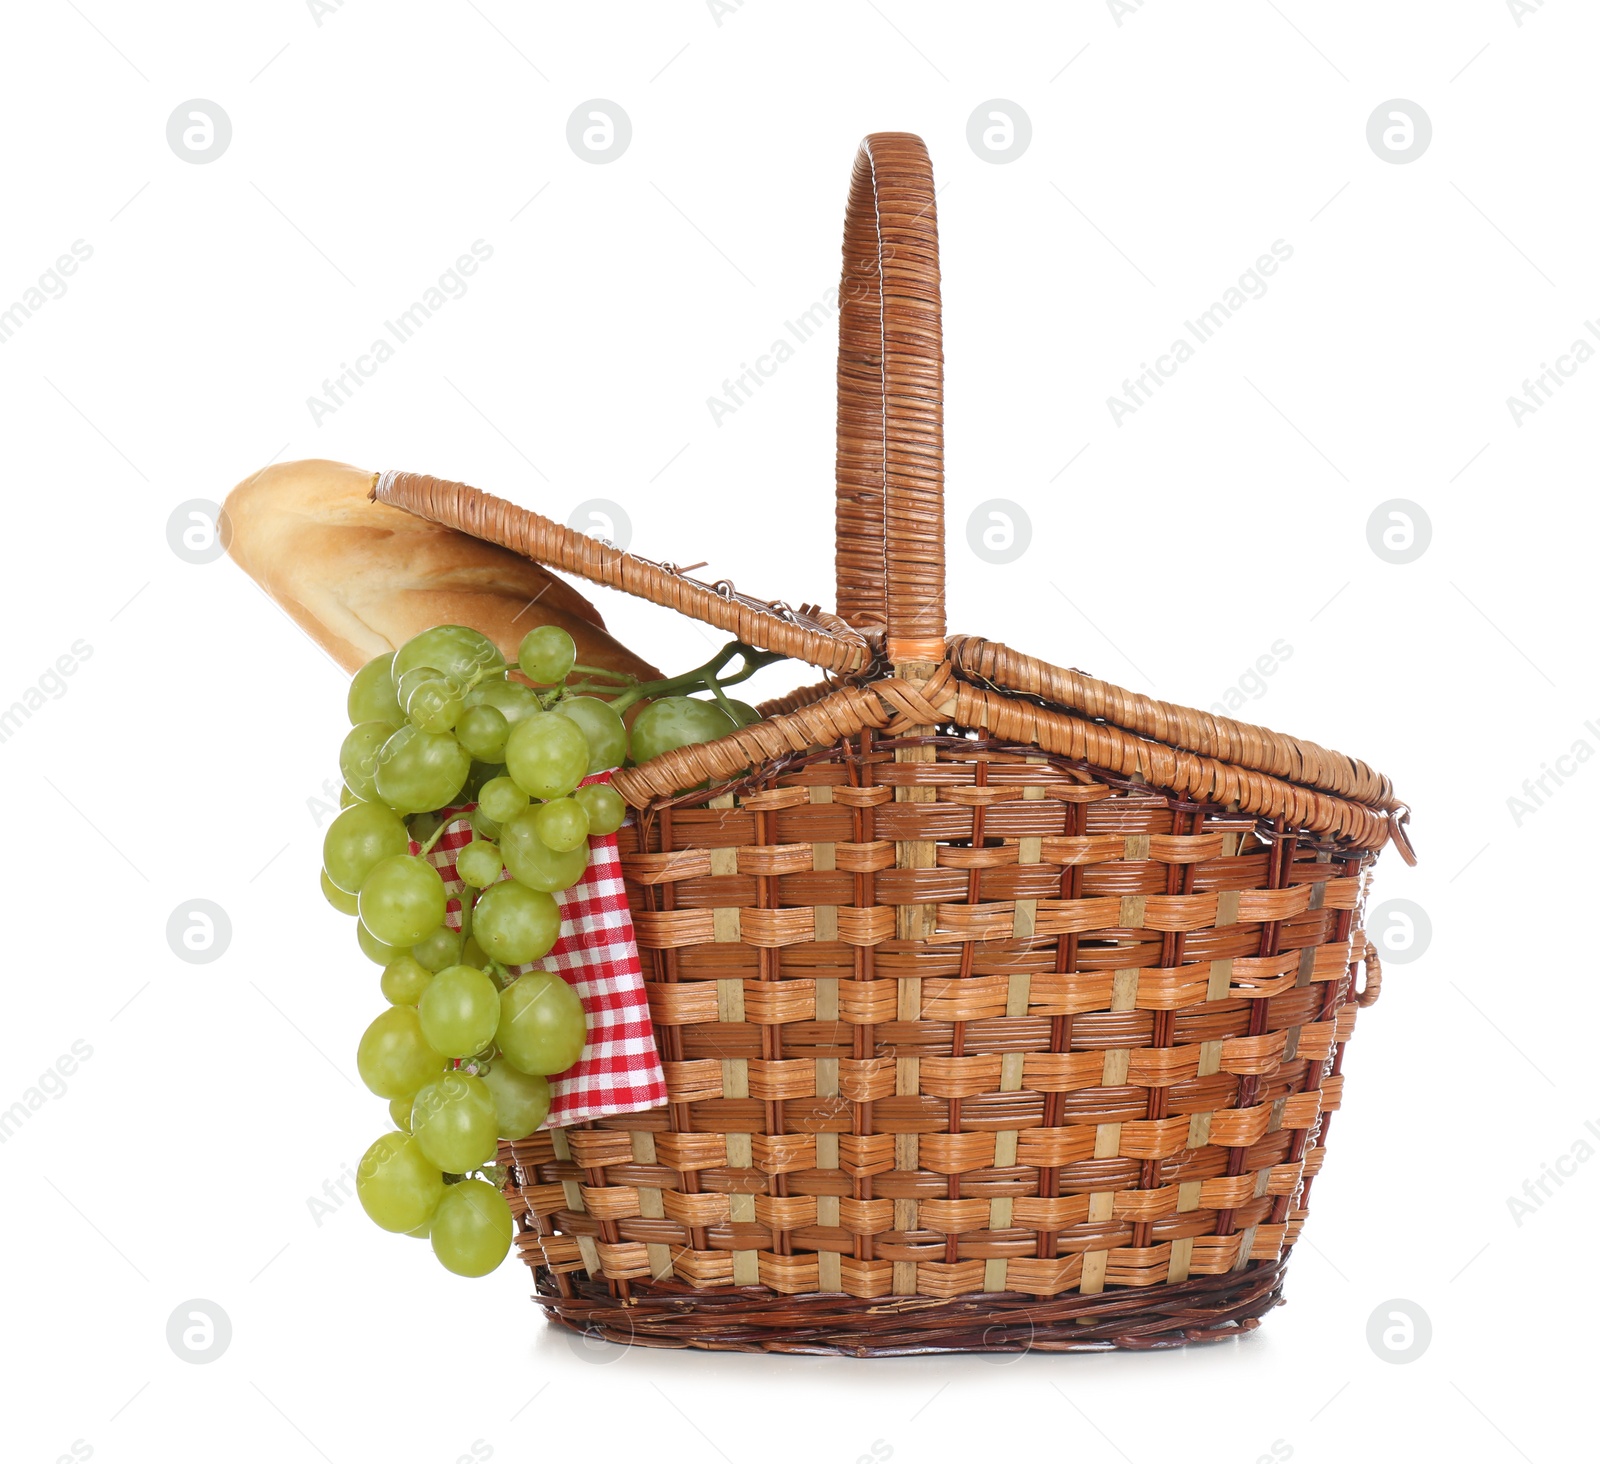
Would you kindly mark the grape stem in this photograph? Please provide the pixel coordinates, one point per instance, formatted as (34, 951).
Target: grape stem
(625, 689)
(708, 677)
(433, 838)
(721, 698)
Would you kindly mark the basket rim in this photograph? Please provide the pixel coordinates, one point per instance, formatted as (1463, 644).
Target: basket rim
(893, 704)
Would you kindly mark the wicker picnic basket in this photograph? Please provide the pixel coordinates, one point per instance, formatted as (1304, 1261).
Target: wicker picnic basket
(1001, 1008)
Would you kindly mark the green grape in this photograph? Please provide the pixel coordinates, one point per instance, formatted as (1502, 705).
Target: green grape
(521, 1100)
(484, 828)
(402, 899)
(479, 864)
(457, 651)
(397, 1186)
(433, 706)
(459, 1011)
(547, 755)
(501, 799)
(375, 950)
(473, 954)
(393, 1057)
(512, 699)
(562, 824)
(358, 757)
(404, 981)
(423, 1231)
(481, 773)
(438, 948)
(604, 806)
(362, 836)
(483, 731)
(472, 1228)
(601, 727)
(419, 771)
(542, 1027)
(533, 862)
(676, 721)
(546, 655)
(400, 1114)
(346, 798)
(453, 1119)
(406, 686)
(372, 697)
(341, 900)
(515, 924)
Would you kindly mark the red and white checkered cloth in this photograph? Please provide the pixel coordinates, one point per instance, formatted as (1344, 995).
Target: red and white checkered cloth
(620, 1070)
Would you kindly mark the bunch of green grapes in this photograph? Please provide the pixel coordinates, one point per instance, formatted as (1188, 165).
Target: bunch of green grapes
(464, 1050)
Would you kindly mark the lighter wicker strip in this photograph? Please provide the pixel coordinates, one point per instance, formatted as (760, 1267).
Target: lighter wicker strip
(1001, 1008)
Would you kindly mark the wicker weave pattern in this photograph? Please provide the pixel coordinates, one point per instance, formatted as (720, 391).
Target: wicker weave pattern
(1107, 1067)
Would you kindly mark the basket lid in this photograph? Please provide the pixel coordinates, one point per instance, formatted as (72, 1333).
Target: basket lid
(807, 633)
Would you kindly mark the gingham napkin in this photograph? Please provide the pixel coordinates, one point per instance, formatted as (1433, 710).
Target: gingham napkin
(620, 1070)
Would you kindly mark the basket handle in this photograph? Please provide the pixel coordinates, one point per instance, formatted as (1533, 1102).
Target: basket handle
(889, 472)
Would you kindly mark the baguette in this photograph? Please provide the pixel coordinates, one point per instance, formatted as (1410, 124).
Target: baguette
(362, 578)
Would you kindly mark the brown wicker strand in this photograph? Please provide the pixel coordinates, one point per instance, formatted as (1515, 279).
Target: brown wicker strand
(792, 701)
(1373, 984)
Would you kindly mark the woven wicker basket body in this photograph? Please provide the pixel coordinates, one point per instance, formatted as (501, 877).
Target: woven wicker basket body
(1000, 1008)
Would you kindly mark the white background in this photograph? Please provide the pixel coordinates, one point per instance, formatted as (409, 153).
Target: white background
(183, 759)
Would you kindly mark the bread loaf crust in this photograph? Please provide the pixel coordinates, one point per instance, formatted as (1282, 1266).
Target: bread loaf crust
(362, 578)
